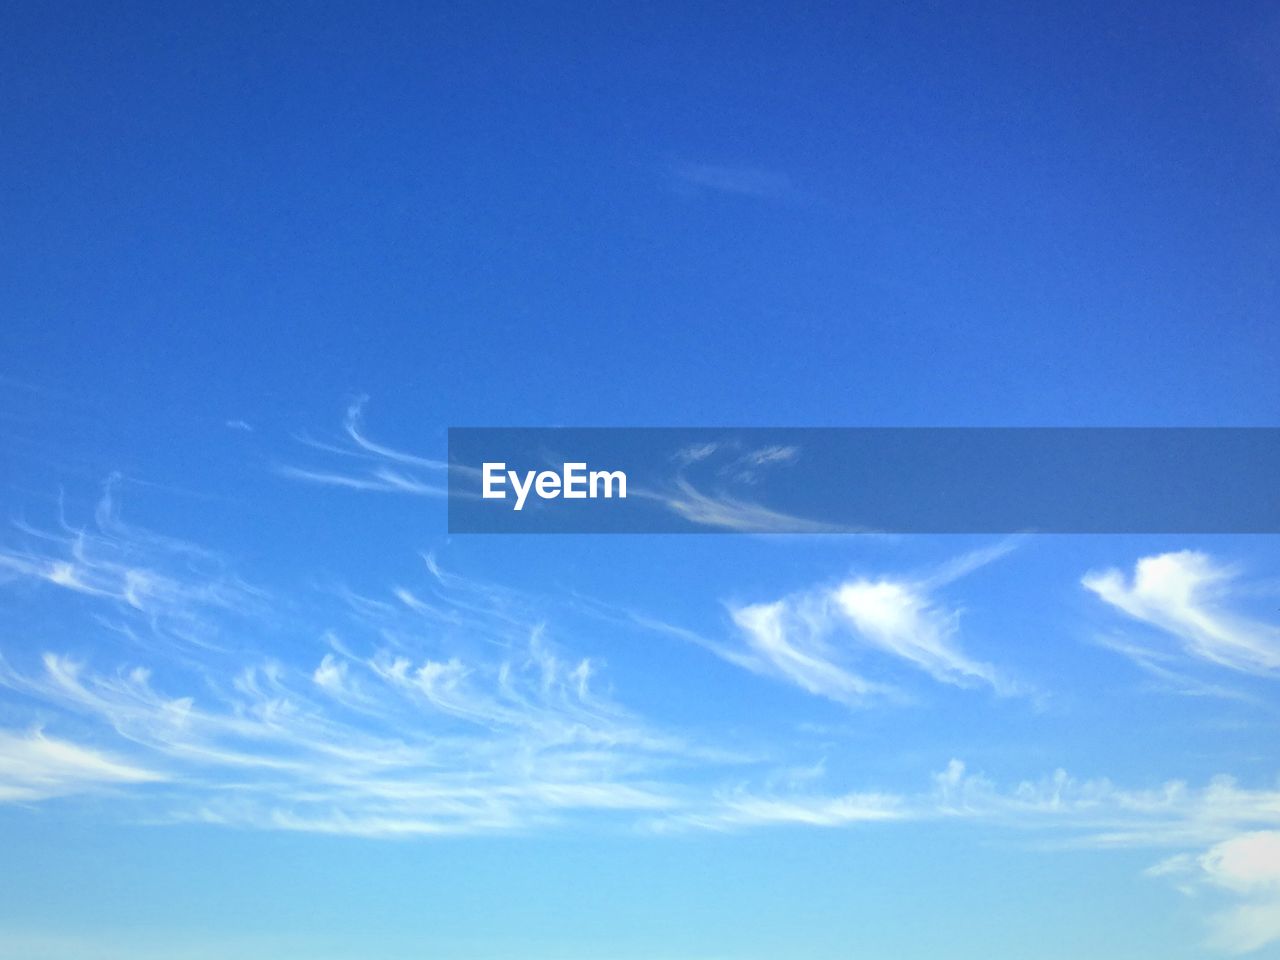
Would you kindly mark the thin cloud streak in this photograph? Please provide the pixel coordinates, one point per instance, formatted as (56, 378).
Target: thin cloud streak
(34, 766)
(752, 182)
(180, 595)
(382, 469)
(725, 512)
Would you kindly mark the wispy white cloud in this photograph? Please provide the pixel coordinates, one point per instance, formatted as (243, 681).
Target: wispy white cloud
(1168, 669)
(178, 593)
(379, 479)
(710, 501)
(791, 639)
(1189, 597)
(361, 463)
(383, 744)
(1094, 812)
(356, 462)
(34, 766)
(1227, 836)
(1099, 813)
(443, 706)
(815, 637)
(740, 809)
(901, 619)
(1238, 825)
(725, 511)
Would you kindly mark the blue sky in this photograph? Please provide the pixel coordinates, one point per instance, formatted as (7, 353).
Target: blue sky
(254, 699)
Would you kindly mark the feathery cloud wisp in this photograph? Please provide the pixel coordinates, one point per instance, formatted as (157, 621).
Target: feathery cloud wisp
(34, 766)
(364, 464)
(812, 638)
(1186, 595)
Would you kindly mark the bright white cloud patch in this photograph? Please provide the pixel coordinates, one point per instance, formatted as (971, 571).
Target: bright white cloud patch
(899, 619)
(1188, 596)
(1246, 863)
(1246, 867)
